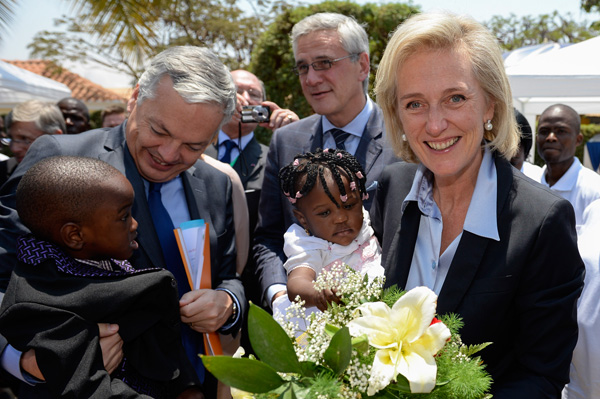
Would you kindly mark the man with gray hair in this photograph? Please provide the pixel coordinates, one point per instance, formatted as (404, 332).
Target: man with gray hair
(332, 62)
(177, 108)
(24, 124)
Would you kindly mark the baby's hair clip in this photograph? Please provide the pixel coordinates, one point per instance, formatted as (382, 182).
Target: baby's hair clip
(340, 156)
(365, 196)
(298, 194)
(326, 150)
(359, 174)
(344, 198)
(353, 186)
(292, 200)
(296, 162)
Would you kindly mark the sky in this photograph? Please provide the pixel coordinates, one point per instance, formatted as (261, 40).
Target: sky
(33, 16)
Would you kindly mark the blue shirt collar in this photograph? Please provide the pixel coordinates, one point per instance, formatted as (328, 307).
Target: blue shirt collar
(481, 216)
(245, 139)
(357, 126)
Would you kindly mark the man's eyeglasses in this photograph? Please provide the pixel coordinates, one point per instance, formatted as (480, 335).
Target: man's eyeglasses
(7, 141)
(320, 65)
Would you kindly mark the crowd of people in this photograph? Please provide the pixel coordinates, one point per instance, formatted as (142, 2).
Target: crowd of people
(431, 180)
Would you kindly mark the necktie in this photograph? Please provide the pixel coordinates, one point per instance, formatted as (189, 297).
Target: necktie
(340, 137)
(192, 341)
(229, 145)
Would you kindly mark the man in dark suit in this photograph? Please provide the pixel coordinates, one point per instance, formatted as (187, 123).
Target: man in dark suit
(172, 120)
(332, 62)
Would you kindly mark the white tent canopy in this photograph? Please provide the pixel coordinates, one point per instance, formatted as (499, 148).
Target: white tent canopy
(18, 85)
(569, 75)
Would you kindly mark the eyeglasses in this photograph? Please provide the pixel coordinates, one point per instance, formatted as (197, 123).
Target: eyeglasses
(320, 65)
(7, 141)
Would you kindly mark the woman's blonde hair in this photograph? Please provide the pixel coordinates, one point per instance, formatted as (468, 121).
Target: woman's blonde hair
(436, 31)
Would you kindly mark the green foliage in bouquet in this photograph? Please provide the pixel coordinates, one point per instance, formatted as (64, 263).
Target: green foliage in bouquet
(328, 361)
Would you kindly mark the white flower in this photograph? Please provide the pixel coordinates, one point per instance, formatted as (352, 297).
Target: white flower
(237, 393)
(405, 339)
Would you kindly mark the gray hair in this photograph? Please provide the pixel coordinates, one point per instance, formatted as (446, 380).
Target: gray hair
(198, 77)
(353, 37)
(46, 116)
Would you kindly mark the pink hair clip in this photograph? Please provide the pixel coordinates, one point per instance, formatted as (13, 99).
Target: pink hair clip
(353, 186)
(365, 196)
(296, 163)
(326, 150)
(292, 200)
(359, 175)
(340, 156)
(298, 195)
(344, 198)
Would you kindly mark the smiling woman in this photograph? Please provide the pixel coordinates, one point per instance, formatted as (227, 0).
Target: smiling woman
(461, 229)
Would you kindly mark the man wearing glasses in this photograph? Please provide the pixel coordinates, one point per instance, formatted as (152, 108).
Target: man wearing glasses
(332, 62)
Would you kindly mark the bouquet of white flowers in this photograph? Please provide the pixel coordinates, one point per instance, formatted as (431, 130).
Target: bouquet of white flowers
(375, 343)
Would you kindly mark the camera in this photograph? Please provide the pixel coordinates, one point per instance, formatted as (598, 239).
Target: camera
(255, 113)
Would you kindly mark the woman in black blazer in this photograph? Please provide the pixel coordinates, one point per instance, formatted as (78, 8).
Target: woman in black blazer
(497, 248)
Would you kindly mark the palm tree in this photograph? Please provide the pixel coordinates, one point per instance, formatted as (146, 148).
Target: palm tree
(6, 14)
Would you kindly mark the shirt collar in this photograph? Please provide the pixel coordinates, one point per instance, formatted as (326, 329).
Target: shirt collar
(481, 216)
(245, 139)
(567, 181)
(357, 126)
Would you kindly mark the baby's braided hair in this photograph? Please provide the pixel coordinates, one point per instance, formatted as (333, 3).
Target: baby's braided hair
(311, 166)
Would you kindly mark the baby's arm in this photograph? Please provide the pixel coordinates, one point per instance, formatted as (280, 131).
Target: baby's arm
(301, 282)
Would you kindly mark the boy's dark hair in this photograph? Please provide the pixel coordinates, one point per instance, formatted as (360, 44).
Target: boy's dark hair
(299, 177)
(526, 133)
(58, 190)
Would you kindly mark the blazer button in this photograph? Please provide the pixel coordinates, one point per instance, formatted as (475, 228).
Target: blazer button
(173, 282)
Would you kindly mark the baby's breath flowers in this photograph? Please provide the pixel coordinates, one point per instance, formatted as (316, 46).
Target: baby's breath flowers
(374, 343)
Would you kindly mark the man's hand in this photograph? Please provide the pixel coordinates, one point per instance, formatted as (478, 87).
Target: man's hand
(279, 116)
(111, 345)
(205, 310)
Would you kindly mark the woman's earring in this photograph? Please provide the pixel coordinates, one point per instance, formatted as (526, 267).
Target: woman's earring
(404, 137)
(488, 125)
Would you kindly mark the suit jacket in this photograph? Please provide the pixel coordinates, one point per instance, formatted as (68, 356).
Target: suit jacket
(275, 211)
(63, 330)
(520, 293)
(208, 194)
(250, 166)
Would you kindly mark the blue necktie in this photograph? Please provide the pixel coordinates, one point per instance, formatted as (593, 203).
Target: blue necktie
(192, 341)
(229, 145)
(339, 136)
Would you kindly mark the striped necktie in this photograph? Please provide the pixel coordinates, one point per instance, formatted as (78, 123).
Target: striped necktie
(340, 137)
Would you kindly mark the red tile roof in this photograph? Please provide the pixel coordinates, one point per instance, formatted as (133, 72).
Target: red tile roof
(81, 88)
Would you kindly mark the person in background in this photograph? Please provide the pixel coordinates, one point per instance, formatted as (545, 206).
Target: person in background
(25, 124)
(519, 161)
(113, 115)
(498, 249)
(558, 136)
(331, 52)
(76, 114)
(176, 110)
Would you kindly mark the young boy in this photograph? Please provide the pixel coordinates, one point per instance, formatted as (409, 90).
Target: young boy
(67, 280)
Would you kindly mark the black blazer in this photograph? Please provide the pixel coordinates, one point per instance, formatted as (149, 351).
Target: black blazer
(519, 293)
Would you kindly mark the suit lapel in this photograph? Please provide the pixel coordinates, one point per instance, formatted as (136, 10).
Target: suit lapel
(369, 147)
(404, 243)
(246, 164)
(472, 248)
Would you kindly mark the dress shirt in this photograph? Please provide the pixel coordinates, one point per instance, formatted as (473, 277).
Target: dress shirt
(579, 185)
(173, 199)
(235, 151)
(585, 367)
(428, 268)
(356, 128)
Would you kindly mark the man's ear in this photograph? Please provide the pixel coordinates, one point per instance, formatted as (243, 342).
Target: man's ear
(133, 99)
(579, 139)
(71, 236)
(300, 218)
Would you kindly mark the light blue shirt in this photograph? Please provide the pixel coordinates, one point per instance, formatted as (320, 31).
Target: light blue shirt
(356, 128)
(429, 268)
(173, 198)
(235, 152)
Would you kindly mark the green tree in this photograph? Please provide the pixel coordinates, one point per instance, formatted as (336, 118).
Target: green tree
(273, 59)
(513, 32)
(124, 34)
